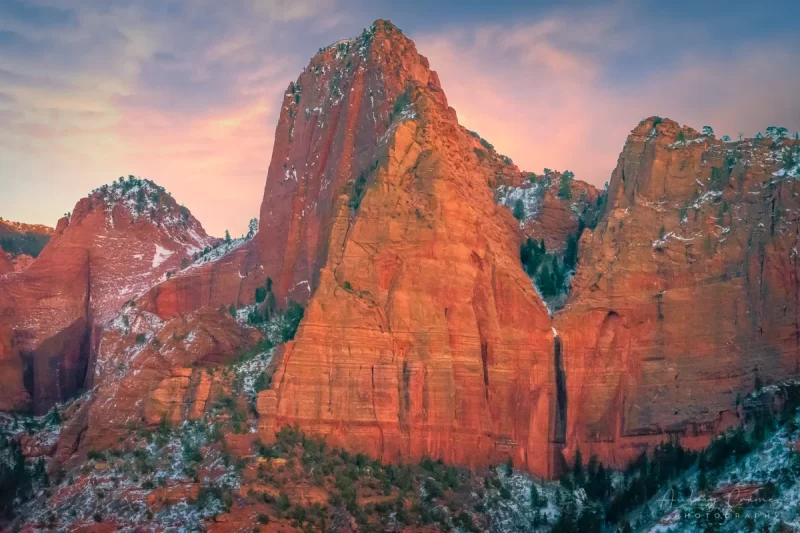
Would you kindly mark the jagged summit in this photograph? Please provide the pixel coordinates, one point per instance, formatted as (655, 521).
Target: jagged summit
(117, 243)
(129, 203)
(381, 50)
(719, 161)
(144, 199)
(360, 43)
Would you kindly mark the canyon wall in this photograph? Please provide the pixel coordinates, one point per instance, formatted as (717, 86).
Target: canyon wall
(118, 242)
(423, 336)
(686, 292)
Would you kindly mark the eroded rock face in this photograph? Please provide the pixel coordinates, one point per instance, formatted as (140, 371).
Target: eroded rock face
(424, 336)
(685, 292)
(331, 122)
(118, 242)
(6, 263)
(14, 395)
(545, 212)
(232, 279)
(148, 371)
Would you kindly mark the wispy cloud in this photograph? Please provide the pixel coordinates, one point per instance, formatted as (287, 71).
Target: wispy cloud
(187, 92)
(558, 92)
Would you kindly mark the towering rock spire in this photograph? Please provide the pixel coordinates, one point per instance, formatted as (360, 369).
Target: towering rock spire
(119, 241)
(686, 293)
(424, 337)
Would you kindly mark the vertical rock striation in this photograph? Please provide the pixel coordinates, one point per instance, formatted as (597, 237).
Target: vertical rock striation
(118, 242)
(686, 292)
(424, 336)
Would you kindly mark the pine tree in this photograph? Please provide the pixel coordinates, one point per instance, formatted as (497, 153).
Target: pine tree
(577, 469)
(591, 520)
(545, 281)
(227, 237)
(702, 482)
(261, 294)
(536, 499)
(140, 200)
(647, 514)
(53, 417)
(559, 277)
(519, 210)
(571, 253)
(564, 187)
(252, 228)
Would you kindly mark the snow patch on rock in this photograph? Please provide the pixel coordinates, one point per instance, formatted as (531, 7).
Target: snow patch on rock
(161, 255)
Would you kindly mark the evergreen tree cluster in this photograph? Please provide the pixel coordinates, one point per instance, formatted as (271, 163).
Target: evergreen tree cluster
(265, 304)
(648, 475)
(565, 185)
(266, 310)
(607, 503)
(17, 480)
(24, 244)
(548, 270)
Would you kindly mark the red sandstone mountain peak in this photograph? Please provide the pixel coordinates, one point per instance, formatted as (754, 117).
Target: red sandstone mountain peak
(685, 293)
(333, 119)
(423, 335)
(116, 244)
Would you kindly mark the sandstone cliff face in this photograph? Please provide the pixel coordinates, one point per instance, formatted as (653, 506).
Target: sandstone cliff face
(424, 336)
(545, 213)
(232, 279)
(148, 371)
(6, 263)
(686, 291)
(118, 242)
(330, 124)
(14, 395)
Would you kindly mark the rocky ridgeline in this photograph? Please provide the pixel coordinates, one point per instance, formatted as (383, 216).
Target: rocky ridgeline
(456, 308)
(685, 293)
(117, 243)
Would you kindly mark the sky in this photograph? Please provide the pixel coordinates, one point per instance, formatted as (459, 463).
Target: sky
(187, 92)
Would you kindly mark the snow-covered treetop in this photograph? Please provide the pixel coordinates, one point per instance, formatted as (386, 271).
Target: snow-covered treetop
(143, 197)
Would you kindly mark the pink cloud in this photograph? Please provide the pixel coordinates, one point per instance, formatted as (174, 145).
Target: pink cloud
(214, 163)
(545, 97)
